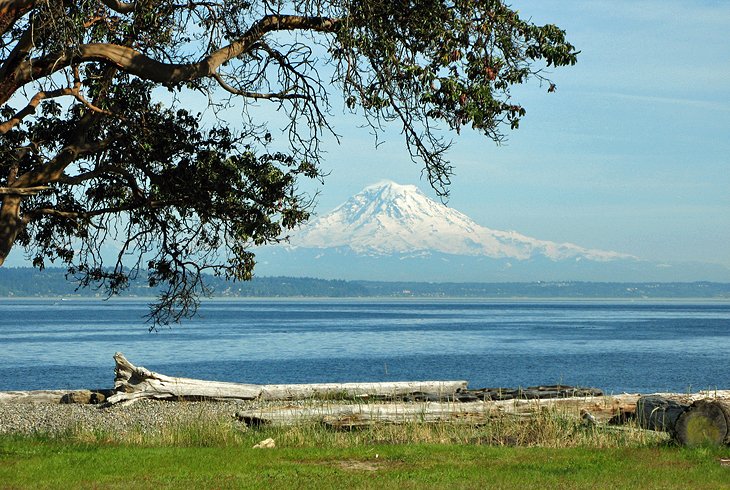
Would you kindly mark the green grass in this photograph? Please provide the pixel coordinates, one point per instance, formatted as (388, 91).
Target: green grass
(547, 427)
(551, 449)
(36, 463)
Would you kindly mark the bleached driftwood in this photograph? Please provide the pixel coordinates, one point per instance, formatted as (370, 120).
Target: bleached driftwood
(352, 415)
(35, 396)
(614, 409)
(358, 415)
(55, 396)
(135, 382)
(132, 383)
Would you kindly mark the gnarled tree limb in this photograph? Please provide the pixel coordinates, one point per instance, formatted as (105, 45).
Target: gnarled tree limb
(29, 109)
(22, 191)
(11, 11)
(136, 63)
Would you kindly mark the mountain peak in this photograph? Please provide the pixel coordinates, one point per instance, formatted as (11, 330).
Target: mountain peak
(390, 187)
(387, 218)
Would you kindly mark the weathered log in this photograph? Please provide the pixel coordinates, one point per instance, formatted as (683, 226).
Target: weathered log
(351, 416)
(690, 420)
(659, 413)
(135, 382)
(33, 396)
(531, 392)
(55, 396)
(364, 391)
(704, 422)
(599, 409)
(86, 397)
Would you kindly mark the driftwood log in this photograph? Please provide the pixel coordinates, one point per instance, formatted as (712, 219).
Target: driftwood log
(352, 416)
(655, 412)
(34, 396)
(690, 422)
(135, 382)
(85, 397)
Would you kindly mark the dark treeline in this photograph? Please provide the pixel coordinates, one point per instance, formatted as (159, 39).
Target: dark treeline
(29, 282)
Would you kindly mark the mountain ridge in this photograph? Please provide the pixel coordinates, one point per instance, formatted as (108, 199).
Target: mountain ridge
(392, 232)
(27, 282)
(388, 218)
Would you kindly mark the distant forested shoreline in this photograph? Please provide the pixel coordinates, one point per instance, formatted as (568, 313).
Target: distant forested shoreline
(29, 282)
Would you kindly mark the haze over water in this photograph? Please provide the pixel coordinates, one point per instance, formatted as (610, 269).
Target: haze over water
(616, 346)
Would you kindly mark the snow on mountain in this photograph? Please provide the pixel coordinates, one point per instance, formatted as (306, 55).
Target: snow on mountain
(387, 218)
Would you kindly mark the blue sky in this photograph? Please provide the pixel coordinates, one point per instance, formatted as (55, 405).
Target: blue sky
(632, 153)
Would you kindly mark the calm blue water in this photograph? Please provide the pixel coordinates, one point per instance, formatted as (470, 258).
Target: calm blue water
(634, 347)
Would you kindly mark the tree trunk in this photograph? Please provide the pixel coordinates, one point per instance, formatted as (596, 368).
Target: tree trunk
(9, 224)
(133, 383)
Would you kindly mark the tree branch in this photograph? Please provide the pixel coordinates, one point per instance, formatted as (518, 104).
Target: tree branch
(36, 213)
(22, 191)
(255, 95)
(18, 55)
(11, 11)
(91, 174)
(10, 224)
(136, 63)
(100, 171)
(31, 107)
(53, 170)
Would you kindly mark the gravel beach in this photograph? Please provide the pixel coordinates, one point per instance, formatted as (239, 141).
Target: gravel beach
(143, 416)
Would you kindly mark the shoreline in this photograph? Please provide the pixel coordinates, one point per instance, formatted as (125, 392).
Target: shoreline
(393, 298)
(146, 416)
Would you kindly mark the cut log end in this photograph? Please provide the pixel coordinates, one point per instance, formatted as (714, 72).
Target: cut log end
(706, 422)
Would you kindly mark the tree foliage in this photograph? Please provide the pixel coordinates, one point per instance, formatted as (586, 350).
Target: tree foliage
(99, 146)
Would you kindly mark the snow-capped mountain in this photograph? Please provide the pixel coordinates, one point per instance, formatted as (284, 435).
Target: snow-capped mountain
(391, 232)
(388, 218)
